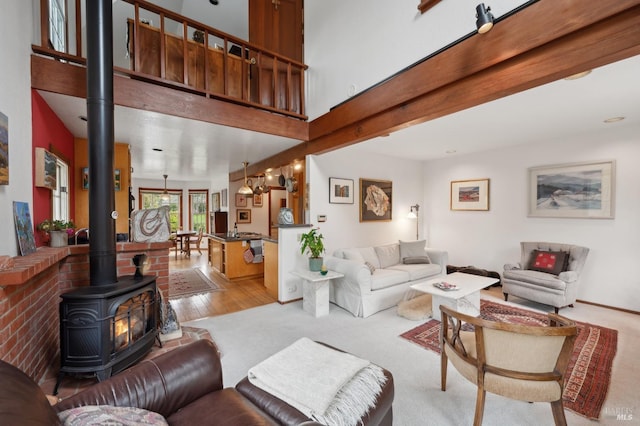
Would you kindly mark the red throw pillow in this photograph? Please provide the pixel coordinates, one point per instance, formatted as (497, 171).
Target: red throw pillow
(551, 262)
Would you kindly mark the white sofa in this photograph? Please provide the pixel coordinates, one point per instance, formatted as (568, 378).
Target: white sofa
(377, 278)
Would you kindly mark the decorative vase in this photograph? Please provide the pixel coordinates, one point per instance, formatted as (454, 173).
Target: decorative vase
(58, 238)
(315, 264)
(285, 217)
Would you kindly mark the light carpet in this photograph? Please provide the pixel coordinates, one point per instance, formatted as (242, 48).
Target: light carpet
(588, 372)
(189, 282)
(245, 338)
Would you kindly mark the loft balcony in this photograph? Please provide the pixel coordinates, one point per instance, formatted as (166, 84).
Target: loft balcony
(163, 48)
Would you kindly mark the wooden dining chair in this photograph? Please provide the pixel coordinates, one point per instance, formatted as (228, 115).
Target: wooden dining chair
(521, 362)
(174, 241)
(196, 241)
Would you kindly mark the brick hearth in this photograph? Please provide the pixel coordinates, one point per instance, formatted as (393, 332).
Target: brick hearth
(29, 297)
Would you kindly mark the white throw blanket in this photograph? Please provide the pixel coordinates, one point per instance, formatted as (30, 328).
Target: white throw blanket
(328, 386)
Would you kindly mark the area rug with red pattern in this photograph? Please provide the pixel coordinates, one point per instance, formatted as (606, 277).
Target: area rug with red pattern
(589, 369)
(189, 282)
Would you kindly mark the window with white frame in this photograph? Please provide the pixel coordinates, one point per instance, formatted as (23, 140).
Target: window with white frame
(60, 195)
(58, 25)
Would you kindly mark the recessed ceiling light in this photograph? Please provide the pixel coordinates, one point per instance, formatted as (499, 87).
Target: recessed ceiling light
(578, 75)
(157, 149)
(450, 151)
(82, 117)
(613, 119)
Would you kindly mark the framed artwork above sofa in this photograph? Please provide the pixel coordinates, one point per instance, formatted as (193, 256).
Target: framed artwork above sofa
(375, 200)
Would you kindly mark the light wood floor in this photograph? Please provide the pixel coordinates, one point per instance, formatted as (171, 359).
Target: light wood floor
(236, 295)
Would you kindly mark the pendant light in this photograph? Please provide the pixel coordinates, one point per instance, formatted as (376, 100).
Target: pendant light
(165, 198)
(245, 189)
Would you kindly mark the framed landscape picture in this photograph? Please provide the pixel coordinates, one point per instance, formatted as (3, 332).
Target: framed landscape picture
(340, 191)
(375, 200)
(470, 195)
(24, 228)
(243, 216)
(580, 190)
(4, 149)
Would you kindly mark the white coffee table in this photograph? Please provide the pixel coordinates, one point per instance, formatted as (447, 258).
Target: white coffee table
(465, 299)
(315, 291)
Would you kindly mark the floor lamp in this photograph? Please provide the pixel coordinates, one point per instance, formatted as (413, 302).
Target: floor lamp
(413, 214)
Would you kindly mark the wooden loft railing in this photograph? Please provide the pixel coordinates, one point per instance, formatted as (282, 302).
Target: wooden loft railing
(211, 62)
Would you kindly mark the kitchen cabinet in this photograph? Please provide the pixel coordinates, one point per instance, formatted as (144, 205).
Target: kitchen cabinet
(226, 255)
(270, 249)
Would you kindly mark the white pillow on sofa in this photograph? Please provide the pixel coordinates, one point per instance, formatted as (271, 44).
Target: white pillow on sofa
(412, 248)
(362, 255)
(388, 255)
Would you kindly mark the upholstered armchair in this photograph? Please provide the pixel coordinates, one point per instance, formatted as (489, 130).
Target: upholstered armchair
(548, 273)
(525, 363)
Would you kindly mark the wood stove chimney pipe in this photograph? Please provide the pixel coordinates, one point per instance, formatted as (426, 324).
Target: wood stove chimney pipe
(100, 124)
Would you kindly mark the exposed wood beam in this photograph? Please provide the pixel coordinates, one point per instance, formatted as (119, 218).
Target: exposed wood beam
(548, 40)
(531, 28)
(58, 77)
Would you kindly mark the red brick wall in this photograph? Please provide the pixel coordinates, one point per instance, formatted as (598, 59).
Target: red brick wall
(29, 298)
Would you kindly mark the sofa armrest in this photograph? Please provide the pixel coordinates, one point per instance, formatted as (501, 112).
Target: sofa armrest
(512, 266)
(439, 257)
(568, 276)
(163, 384)
(357, 277)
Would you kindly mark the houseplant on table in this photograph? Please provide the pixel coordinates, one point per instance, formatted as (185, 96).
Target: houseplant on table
(312, 243)
(59, 231)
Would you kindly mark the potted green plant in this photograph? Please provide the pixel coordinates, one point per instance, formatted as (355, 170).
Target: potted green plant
(312, 243)
(59, 231)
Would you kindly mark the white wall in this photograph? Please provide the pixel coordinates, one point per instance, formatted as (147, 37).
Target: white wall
(491, 239)
(343, 227)
(15, 103)
(374, 39)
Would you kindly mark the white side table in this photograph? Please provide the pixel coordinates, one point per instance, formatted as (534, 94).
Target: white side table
(315, 291)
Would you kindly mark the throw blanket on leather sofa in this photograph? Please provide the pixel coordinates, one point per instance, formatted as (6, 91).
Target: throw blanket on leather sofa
(329, 386)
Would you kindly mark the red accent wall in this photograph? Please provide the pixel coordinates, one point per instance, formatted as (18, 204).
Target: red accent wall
(50, 133)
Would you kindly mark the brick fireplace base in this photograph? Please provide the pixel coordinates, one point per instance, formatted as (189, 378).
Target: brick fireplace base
(30, 292)
(74, 384)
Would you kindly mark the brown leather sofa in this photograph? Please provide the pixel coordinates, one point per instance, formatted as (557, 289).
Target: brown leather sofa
(184, 385)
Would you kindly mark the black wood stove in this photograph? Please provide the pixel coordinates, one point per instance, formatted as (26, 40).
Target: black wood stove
(104, 329)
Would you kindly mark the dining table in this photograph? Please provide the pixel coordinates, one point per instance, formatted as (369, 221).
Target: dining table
(182, 235)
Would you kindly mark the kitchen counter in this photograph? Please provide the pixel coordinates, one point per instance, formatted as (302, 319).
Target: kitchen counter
(242, 236)
(226, 255)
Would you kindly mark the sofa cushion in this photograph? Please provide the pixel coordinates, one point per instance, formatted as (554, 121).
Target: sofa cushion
(551, 262)
(226, 405)
(353, 254)
(388, 255)
(372, 268)
(383, 278)
(418, 271)
(362, 255)
(414, 260)
(536, 279)
(412, 248)
(370, 256)
(109, 415)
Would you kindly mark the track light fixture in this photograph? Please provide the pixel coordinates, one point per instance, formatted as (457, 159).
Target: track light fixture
(484, 18)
